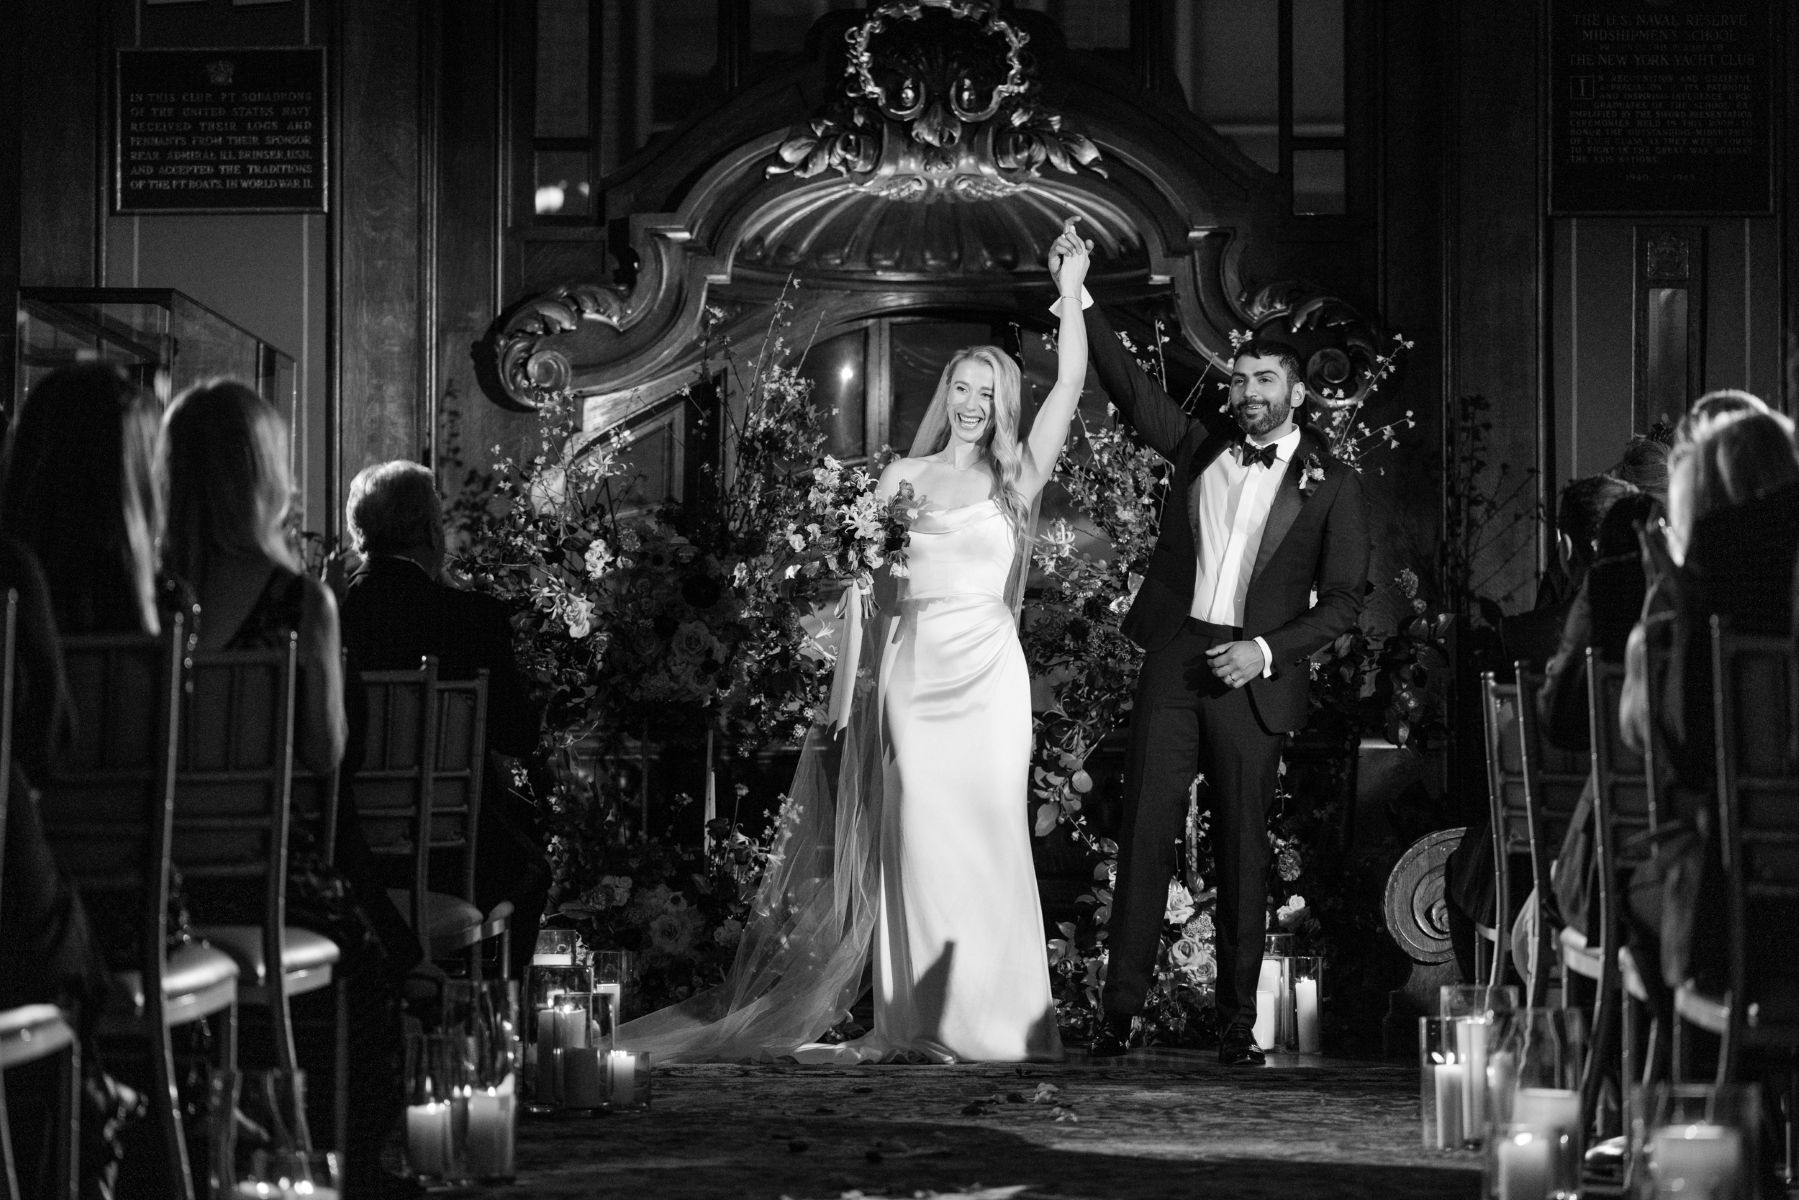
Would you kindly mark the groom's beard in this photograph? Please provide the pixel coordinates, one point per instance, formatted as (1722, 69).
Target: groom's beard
(1256, 419)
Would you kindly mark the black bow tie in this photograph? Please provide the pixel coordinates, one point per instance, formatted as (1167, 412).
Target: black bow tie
(1266, 455)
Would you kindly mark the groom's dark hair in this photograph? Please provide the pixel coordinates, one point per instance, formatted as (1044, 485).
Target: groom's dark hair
(1287, 356)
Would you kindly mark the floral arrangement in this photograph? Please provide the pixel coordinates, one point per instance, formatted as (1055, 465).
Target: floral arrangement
(680, 625)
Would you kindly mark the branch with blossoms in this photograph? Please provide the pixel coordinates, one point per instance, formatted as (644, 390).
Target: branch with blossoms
(1350, 439)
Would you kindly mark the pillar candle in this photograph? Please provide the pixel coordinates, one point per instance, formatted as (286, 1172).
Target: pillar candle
(1695, 1160)
(1449, 1105)
(571, 1028)
(1266, 1015)
(545, 1090)
(622, 1065)
(428, 1139)
(1471, 1049)
(1305, 992)
(492, 1128)
(458, 1119)
(1522, 1163)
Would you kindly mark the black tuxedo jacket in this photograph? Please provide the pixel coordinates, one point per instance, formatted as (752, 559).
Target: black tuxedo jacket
(394, 614)
(1316, 537)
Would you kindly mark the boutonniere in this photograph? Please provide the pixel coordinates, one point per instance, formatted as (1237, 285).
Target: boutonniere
(1311, 474)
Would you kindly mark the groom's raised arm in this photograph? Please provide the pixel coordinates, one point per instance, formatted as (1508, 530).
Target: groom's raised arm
(1148, 409)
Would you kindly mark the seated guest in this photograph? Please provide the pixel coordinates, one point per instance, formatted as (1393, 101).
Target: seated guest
(1713, 405)
(1644, 464)
(1604, 610)
(1729, 549)
(81, 513)
(48, 951)
(1532, 637)
(81, 494)
(1470, 886)
(225, 461)
(397, 610)
(224, 456)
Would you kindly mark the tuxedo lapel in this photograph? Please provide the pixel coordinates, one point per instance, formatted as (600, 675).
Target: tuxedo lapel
(1288, 500)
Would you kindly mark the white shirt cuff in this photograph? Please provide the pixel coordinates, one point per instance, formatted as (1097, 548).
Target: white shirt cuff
(1267, 659)
(1086, 301)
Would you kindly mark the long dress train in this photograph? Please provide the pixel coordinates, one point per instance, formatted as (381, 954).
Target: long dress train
(907, 839)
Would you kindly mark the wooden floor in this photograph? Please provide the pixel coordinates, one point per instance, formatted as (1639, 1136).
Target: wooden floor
(1155, 1124)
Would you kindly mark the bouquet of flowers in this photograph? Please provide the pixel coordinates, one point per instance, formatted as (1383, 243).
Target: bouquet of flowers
(846, 530)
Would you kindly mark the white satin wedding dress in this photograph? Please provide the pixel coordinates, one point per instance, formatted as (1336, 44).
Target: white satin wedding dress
(910, 845)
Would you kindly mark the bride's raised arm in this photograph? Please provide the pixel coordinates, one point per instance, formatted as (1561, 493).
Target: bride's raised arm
(1069, 257)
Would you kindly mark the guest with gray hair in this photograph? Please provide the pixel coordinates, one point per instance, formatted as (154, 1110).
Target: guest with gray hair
(396, 610)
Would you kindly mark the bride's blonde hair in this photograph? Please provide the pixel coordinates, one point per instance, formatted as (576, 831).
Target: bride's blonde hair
(1005, 454)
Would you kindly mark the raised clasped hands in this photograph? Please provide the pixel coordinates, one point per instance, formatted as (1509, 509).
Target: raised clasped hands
(1236, 663)
(1069, 257)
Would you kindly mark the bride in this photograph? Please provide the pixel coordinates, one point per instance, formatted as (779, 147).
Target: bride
(906, 841)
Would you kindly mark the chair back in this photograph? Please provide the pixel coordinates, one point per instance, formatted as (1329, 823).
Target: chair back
(1554, 778)
(1504, 733)
(1755, 692)
(110, 814)
(233, 789)
(392, 787)
(9, 632)
(113, 782)
(1620, 793)
(1533, 788)
(457, 772)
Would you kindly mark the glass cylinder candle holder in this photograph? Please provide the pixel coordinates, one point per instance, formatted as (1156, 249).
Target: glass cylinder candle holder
(611, 976)
(1472, 1010)
(1696, 1140)
(545, 985)
(628, 1079)
(491, 1150)
(433, 1089)
(1441, 1082)
(1274, 1000)
(1475, 1000)
(256, 1123)
(555, 948)
(1529, 1162)
(308, 1175)
(1307, 974)
(1534, 1062)
(581, 1086)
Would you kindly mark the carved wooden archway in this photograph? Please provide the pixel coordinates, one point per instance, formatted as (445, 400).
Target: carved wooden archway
(921, 163)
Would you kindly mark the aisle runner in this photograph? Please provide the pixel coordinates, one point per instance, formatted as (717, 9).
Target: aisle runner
(1174, 1125)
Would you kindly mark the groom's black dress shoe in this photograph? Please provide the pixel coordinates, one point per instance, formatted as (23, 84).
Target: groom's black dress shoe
(1238, 1048)
(1113, 1037)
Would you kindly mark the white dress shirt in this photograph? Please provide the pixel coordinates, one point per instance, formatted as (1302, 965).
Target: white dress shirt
(1234, 501)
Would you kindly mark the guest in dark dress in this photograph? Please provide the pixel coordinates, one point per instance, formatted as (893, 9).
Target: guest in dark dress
(397, 609)
(224, 451)
(81, 513)
(49, 953)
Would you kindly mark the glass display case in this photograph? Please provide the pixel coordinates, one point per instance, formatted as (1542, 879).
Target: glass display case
(164, 338)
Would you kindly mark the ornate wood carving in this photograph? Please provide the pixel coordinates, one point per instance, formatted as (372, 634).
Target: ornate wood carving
(1337, 344)
(939, 101)
(924, 167)
(1417, 914)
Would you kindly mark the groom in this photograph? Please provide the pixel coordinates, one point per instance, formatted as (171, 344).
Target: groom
(1262, 560)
